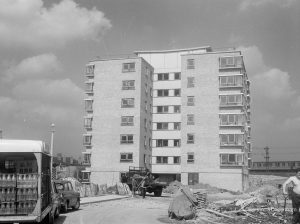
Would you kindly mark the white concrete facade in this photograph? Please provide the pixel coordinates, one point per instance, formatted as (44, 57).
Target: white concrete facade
(198, 106)
(120, 132)
(204, 159)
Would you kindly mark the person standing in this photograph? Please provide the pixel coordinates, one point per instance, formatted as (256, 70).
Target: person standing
(294, 194)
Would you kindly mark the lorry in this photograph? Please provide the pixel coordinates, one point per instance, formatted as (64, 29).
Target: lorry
(25, 182)
(135, 177)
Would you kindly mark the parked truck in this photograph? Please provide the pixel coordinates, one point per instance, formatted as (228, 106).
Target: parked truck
(25, 182)
(137, 175)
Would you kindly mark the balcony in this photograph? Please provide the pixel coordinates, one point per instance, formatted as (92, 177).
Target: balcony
(89, 88)
(88, 121)
(231, 160)
(233, 81)
(87, 139)
(231, 62)
(89, 72)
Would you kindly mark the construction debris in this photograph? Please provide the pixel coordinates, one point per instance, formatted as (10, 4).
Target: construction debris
(264, 204)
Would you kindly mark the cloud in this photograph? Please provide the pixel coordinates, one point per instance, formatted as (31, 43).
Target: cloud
(248, 4)
(267, 83)
(40, 66)
(54, 92)
(31, 24)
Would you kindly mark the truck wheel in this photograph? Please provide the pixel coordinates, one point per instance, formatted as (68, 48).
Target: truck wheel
(64, 207)
(77, 205)
(157, 192)
(56, 214)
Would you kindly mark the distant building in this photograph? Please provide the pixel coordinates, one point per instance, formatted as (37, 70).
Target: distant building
(184, 114)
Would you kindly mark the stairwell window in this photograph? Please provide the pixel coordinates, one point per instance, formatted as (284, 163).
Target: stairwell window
(190, 138)
(190, 101)
(190, 157)
(126, 139)
(127, 121)
(190, 63)
(190, 119)
(128, 67)
(126, 157)
(190, 82)
(127, 103)
(128, 84)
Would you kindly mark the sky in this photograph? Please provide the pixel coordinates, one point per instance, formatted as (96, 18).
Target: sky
(45, 44)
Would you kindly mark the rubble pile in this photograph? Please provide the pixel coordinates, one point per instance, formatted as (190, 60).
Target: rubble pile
(264, 204)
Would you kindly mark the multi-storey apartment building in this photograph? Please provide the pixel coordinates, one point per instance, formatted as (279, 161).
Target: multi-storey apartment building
(200, 116)
(118, 120)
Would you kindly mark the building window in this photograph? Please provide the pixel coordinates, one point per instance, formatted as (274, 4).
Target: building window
(151, 92)
(162, 143)
(177, 125)
(236, 80)
(126, 139)
(127, 121)
(162, 126)
(190, 119)
(231, 62)
(162, 109)
(87, 139)
(126, 157)
(88, 122)
(87, 158)
(190, 157)
(190, 138)
(176, 159)
(128, 84)
(190, 82)
(190, 64)
(176, 142)
(89, 87)
(89, 105)
(127, 102)
(230, 100)
(128, 67)
(176, 92)
(162, 76)
(232, 159)
(177, 76)
(162, 159)
(162, 92)
(231, 139)
(231, 119)
(176, 109)
(146, 106)
(90, 69)
(190, 101)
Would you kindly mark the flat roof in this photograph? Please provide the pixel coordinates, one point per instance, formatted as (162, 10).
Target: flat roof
(173, 50)
(12, 145)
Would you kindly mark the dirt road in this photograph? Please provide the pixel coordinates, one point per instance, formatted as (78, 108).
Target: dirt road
(151, 210)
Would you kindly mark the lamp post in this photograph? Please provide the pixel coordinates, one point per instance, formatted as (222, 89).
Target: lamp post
(51, 147)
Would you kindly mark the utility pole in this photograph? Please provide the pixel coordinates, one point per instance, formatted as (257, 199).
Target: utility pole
(267, 157)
